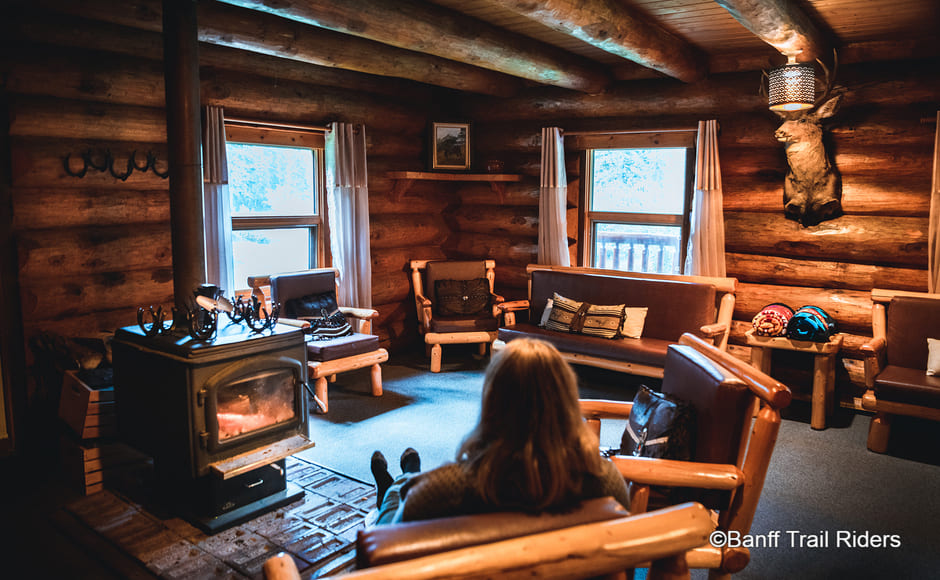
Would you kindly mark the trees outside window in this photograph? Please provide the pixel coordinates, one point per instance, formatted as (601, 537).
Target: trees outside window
(637, 202)
(277, 207)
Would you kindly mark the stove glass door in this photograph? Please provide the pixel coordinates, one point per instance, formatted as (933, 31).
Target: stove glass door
(255, 402)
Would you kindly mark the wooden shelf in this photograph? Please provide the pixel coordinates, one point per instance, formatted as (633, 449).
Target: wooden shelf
(404, 179)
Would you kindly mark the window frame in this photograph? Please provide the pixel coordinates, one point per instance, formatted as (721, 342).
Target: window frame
(260, 134)
(587, 219)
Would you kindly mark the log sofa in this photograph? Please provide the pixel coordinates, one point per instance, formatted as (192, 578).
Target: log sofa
(675, 305)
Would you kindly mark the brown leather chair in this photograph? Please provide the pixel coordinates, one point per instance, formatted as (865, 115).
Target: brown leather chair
(466, 314)
(732, 447)
(595, 540)
(896, 378)
(326, 358)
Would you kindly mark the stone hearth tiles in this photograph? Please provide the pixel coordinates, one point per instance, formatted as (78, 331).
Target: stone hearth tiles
(319, 531)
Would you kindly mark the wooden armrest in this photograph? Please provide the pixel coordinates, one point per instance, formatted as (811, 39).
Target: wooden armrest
(497, 299)
(294, 322)
(874, 347)
(670, 472)
(423, 300)
(360, 313)
(873, 352)
(587, 550)
(605, 409)
(713, 330)
(514, 305)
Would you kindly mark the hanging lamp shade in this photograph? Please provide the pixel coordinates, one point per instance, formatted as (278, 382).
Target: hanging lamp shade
(792, 87)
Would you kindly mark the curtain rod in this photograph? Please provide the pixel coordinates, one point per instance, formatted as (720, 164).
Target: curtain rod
(628, 132)
(279, 126)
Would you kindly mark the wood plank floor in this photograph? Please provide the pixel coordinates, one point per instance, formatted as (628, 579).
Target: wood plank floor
(139, 541)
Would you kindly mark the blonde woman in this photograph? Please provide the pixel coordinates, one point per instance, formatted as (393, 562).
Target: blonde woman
(530, 450)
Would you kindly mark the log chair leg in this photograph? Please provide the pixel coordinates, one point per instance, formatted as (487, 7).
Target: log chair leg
(879, 431)
(319, 394)
(332, 378)
(670, 568)
(639, 498)
(436, 358)
(376, 380)
(481, 348)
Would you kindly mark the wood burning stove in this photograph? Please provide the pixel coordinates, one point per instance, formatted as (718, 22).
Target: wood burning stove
(218, 416)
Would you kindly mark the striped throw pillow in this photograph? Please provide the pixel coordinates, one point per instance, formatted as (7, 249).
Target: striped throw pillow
(584, 318)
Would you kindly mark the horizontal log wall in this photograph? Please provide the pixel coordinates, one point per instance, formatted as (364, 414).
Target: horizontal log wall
(91, 250)
(877, 140)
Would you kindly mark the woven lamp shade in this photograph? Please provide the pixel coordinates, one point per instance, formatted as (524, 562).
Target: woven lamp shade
(792, 87)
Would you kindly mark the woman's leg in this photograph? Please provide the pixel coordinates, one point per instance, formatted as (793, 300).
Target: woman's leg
(392, 500)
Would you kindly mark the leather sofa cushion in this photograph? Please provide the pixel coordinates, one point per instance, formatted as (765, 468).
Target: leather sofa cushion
(341, 347)
(721, 403)
(384, 544)
(287, 286)
(646, 350)
(910, 322)
(674, 307)
(720, 400)
(463, 324)
(908, 385)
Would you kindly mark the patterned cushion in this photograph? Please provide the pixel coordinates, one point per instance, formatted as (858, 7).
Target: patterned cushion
(462, 297)
(326, 320)
(584, 318)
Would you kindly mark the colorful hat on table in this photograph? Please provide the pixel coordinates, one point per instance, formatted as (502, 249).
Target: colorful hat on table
(772, 320)
(811, 323)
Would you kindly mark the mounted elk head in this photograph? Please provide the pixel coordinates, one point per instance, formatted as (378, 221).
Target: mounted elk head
(812, 191)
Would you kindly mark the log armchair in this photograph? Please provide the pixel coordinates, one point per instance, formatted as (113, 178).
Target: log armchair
(327, 357)
(593, 541)
(455, 304)
(897, 360)
(732, 447)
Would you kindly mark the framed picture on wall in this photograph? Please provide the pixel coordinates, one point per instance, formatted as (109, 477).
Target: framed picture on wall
(450, 146)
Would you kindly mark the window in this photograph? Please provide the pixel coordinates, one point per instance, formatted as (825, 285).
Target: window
(276, 187)
(637, 208)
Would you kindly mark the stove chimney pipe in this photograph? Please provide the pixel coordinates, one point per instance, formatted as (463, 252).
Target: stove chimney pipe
(184, 140)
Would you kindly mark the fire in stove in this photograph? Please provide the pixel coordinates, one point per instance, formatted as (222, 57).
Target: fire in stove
(248, 406)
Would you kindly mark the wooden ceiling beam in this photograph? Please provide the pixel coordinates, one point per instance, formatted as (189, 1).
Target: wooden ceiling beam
(431, 29)
(782, 24)
(613, 26)
(266, 34)
(286, 38)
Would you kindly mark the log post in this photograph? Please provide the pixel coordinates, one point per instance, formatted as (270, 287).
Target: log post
(181, 64)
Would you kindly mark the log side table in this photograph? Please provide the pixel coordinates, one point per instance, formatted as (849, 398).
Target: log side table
(824, 368)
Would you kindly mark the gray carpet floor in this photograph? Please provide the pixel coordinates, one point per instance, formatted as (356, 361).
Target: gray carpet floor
(822, 486)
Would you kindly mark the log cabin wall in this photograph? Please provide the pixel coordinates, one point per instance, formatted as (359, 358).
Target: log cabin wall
(91, 250)
(881, 141)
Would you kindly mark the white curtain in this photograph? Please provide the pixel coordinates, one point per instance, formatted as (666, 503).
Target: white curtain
(217, 211)
(553, 200)
(706, 251)
(348, 201)
(933, 235)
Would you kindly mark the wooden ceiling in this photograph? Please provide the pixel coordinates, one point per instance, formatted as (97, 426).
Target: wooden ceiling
(584, 45)
(497, 47)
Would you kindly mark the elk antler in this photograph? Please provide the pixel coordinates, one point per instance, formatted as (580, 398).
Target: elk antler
(828, 78)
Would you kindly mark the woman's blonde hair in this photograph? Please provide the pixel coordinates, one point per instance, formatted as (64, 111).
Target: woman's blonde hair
(530, 448)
